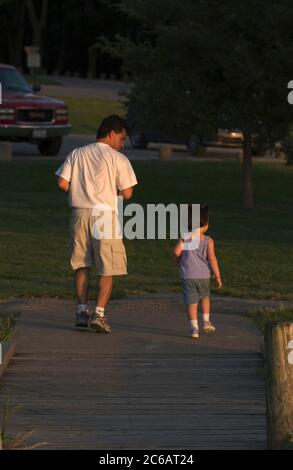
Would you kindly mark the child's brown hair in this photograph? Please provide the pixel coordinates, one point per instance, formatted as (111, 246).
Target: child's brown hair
(204, 216)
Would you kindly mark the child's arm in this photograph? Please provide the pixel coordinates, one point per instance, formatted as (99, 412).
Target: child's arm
(214, 262)
(177, 251)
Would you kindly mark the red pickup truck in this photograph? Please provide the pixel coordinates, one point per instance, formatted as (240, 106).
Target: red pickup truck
(26, 116)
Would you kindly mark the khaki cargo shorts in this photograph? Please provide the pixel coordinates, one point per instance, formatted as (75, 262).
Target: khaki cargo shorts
(108, 256)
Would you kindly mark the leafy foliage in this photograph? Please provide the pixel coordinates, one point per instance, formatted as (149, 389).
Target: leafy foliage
(263, 315)
(199, 65)
(6, 325)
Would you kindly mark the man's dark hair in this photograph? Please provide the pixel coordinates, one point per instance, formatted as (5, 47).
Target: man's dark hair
(111, 123)
(204, 216)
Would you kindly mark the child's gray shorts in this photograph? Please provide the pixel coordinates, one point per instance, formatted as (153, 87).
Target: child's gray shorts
(195, 289)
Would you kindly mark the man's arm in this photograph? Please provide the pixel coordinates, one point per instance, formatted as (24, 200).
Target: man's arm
(63, 184)
(126, 193)
(125, 178)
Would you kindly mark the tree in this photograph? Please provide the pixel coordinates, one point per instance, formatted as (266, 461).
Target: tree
(63, 30)
(198, 66)
(37, 18)
(69, 35)
(12, 28)
(13, 22)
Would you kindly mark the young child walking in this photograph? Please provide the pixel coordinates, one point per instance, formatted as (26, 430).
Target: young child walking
(196, 262)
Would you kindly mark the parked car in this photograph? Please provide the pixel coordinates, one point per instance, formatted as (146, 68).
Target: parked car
(140, 137)
(26, 116)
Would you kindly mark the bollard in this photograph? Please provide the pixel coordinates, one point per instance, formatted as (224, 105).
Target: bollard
(5, 151)
(279, 384)
(165, 152)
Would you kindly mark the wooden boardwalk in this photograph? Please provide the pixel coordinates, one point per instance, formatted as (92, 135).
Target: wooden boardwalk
(145, 386)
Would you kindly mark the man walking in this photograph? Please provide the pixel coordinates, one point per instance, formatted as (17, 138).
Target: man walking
(93, 176)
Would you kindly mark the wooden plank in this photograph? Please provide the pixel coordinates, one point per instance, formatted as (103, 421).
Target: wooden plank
(145, 386)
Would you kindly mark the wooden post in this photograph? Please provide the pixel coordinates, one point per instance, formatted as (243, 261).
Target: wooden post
(165, 152)
(5, 151)
(279, 385)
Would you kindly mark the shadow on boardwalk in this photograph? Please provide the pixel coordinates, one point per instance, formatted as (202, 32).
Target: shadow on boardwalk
(145, 386)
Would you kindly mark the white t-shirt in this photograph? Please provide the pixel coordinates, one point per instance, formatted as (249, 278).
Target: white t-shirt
(96, 172)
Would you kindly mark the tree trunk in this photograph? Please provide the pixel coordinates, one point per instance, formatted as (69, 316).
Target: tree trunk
(14, 30)
(248, 202)
(288, 148)
(16, 57)
(61, 58)
(18, 34)
(92, 62)
(37, 24)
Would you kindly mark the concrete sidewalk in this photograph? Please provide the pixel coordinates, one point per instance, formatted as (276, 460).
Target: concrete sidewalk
(145, 386)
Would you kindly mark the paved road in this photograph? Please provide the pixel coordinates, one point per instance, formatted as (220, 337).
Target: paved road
(110, 90)
(23, 151)
(27, 151)
(148, 385)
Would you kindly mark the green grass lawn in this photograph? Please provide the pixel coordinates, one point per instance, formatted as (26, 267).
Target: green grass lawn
(254, 249)
(263, 315)
(86, 114)
(34, 79)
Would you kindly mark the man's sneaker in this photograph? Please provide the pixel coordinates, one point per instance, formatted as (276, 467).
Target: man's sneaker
(100, 324)
(208, 327)
(82, 319)
(194, 333)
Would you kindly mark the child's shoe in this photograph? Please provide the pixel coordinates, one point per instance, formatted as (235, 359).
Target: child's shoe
(194, 333)
(208, 327)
